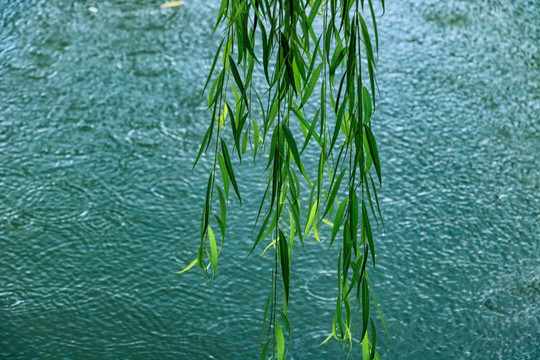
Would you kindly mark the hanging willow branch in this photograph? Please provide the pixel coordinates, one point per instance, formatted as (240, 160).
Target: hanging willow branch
(307, 50)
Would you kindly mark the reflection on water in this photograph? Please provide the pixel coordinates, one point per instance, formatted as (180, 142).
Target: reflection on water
(100, 119)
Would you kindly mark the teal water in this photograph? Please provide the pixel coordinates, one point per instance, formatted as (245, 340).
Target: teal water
(100, 120)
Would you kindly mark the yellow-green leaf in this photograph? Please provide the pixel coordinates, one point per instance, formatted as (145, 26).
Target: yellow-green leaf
(188, 267)
(213, 249)
(280, 341)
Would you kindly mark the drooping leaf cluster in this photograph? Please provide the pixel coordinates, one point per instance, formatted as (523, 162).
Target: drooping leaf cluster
(315, 57)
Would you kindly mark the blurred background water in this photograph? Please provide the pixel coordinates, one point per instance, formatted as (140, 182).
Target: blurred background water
(100, 121)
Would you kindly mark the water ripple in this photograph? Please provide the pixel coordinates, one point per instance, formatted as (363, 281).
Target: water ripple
(54, 201)
(100, 121)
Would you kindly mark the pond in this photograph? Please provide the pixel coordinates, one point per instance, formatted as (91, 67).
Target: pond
(101, 115)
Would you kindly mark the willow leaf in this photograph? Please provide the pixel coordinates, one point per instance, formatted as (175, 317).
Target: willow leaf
(256, 138)
(201, 148)
(365, 307)
(374, 152)
(292, 146)
(313, 13)
(335, 188)
(260, 234)
(216, 56)
(373, 340)
(284, 259)
(311, 217)
(237, 79)
(193, 263)
(366, 228)
(265, 349)
(230, 170)
(373, 19)
(311, 85)
(222, 206)
(338, 220)
(213, 250)
(285, 320)
(367, 41)
(280, 341)
(224, 175)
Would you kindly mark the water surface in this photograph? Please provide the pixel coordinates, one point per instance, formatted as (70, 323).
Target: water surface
(100, 120)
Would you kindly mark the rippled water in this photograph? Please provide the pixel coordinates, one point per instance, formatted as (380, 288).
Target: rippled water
(100, 118)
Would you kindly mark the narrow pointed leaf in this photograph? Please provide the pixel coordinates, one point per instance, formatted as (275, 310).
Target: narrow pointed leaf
(338, 220)
(193, 263)
(213, 250)
(374, 152)
(224, 175)
(280, 341)
(284, 259)
(292, 146)
(366, 228)
(311, 84)
(237, 79)
(229, 167)
(335, 189)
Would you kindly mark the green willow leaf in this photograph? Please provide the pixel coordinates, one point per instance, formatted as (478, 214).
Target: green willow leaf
(374, 152)
(235, 131)
(284, 260)
(365, 307)
(288, 59)
(273, 146)
(201, 148)
(222, 228)
(200, 258)
(354, 220)
(311, 131)
(333, 194)
(299, 74)
(365, 347)
(271, 227)
(221, 13)
(280, 341)
(373, 340)
(193, 263)
(292, 146)
(230, 170)
(291, 232)
(313, 13)
(376, 198)
(213, 250)
(216, 56)
(285, 320)
(256, 138)
(338, 220)
(244, 142)
(339, 54)
(311, 85)
(366, 105)
(374, 21)
(212, 96)
(311, 217)
(224, 175)
(366, 228)
(265, 349)
(222, 206)
(237, 79)
(261, 232)
(206, 210)
(367, 41)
